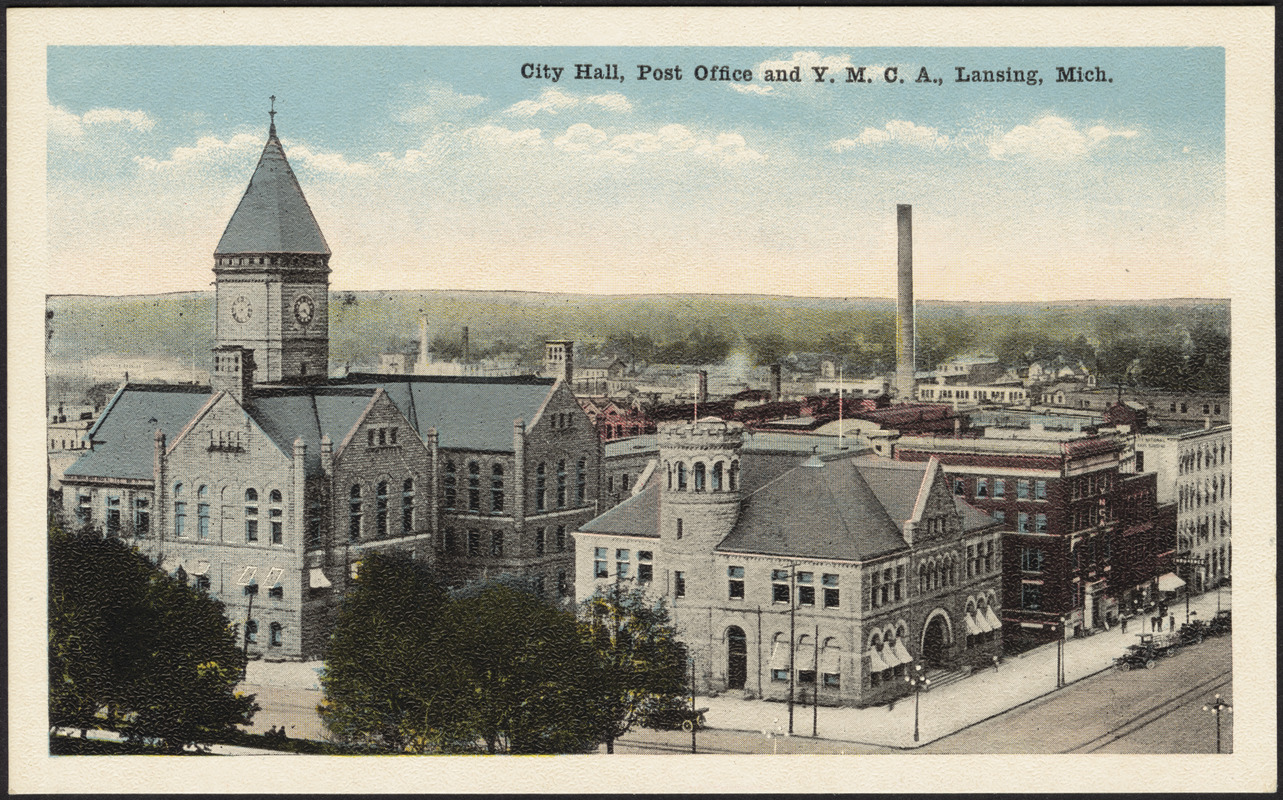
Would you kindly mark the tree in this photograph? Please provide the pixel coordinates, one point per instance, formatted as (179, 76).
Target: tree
(535, 683)
(135, 650)
(411, 668)
(643, 663)
(389, 681)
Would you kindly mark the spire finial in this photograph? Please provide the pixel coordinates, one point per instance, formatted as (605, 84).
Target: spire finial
(272, 114)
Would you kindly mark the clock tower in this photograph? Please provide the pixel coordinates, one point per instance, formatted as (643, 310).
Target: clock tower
(272, 271)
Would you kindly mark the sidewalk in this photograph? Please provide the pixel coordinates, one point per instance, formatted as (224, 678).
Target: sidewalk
(953, 706)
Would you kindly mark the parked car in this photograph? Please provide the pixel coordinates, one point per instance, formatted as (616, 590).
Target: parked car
(1193, 632)
(1220, 623)
(1152, 647)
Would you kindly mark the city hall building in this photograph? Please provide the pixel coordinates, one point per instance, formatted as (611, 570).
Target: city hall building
(267, 487)
(846, 569)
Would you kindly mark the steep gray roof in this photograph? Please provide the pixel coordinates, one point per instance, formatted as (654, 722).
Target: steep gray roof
(309, 412)
(468, 413)
(124, 436)
(636, 516)
(273, 216)
(818, 510)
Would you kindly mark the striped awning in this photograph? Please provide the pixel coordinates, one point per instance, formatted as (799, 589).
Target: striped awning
(972, 628)
(831, 661)
(993, 618)
(982, 622)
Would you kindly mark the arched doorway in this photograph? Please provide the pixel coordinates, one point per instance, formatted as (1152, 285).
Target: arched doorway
(935, 641)
(736, 658)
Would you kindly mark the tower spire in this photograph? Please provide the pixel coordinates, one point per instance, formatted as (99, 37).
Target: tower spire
(271, 131)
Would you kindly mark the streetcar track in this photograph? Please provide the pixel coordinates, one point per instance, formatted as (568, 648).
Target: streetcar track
(1175, 703)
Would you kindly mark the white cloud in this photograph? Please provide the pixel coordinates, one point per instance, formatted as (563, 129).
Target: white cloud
(555, 100)
(499, 136)
(316, 161)
(897, 131)
(1054, 139)
(437, 100)
(671, 139)
(208, 151)
(751, 88)
(66, 125)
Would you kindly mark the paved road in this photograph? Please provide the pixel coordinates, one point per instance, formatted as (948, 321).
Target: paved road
(1142, 711)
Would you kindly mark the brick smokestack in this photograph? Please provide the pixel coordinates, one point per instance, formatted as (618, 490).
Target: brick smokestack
(465, 344)
(701, 388)
(904, 350)
(777, 384)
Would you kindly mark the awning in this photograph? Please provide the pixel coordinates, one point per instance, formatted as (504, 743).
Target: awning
(831, 661)
(199, 568)
(972, 628)
(876, 664)
(273, 577)
(247, 576)
(1168, 582)
(982, 623)
(994, 622)
(316, 579)
(805, 658)
(780, 655)
(171, 563)
(902, 652)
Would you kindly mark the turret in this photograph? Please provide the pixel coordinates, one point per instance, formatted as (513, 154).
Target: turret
(699, 482)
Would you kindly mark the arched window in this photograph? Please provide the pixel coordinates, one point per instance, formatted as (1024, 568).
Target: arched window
(474, 487)
(449, 483)
(669, 466)
(717, 477)
(202, 512)
(275, 639)
(354, 513)
(180, 510)
(541, 486)
(251, 515)
(561, 484)
(496, 489)
(699, 476)
(581, 482)
(277, 517)
(381, 510)
(735, 475)
(407, 507)
(922, 579)
(681, 476)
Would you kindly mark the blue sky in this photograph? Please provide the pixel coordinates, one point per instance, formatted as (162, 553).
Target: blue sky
(441, 167)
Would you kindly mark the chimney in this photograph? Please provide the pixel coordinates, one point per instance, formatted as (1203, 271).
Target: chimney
(559, 360)
(777, 383)
(327, 455)
(1207, 423)
(465, 344)
(701, 386)
(422, 366)
(234, 372)
(904, 344)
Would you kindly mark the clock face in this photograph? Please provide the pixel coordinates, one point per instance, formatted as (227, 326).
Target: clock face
(241, 309)
(304, 309)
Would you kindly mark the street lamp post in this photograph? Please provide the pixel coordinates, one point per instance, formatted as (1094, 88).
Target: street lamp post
(694, 721)
(1217, 707)
(917, 680)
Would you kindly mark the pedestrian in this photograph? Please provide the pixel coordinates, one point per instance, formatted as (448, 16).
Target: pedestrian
(1123, 621)
(995, 663)
(1171, 622)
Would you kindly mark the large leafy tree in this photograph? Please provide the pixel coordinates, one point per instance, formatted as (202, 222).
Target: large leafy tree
(642, 661)
(135, 650)
(494, 668)
(389, 681)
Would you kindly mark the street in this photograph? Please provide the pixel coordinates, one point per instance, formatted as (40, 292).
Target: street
(1141, 711)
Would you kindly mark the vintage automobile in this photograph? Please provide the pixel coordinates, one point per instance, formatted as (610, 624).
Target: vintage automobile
(1220, 623)
(1152, 647)
(1193, 632)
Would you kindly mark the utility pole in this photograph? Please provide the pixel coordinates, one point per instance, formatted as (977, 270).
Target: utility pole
(815, 698)
(792, 642)
(759, 651)
(694, 721)
(253, 591)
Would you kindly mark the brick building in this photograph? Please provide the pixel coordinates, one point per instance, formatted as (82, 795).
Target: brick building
(267, 493)
(855, 564)
(1080, 540)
